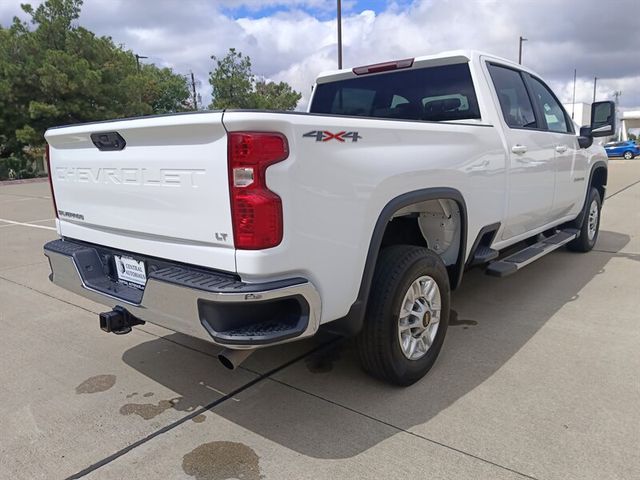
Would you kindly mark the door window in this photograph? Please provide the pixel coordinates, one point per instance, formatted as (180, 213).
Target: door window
(513, 97)
(553, 113)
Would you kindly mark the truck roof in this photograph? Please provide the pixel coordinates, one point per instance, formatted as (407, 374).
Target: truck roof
(443, 58)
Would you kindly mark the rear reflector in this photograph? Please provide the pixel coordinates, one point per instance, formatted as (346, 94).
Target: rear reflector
(256, 211)
(53, 195)
(383, 67)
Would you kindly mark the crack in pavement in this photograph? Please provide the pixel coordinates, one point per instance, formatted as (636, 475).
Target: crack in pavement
(47, 294)
(230, 396)
(208, 407)
(15, 267)
(268, 376)
(400, 429)
(194, 414)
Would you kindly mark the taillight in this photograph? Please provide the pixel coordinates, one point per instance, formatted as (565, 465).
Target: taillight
(256, 211)
(53, 195)
(384, 67)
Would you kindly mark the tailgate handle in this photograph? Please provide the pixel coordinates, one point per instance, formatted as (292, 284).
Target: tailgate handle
(108, 141)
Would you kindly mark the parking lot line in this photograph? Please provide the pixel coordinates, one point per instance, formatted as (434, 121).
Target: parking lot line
(24, 197)
(621, 190)
(22, 224)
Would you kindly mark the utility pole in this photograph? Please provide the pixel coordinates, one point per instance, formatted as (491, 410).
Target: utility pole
(573, 101)
(138, 57)
(339, 34)
(193, 88)
(522, 39)
(617, 94)
(595, 82)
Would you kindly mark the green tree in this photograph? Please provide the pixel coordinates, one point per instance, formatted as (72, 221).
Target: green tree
(54, 72)
(232, 81)
(234, 86)
(275, 96)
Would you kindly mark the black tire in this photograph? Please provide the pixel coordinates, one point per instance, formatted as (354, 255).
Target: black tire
(628, 155)
(586, 241)
(381, 355)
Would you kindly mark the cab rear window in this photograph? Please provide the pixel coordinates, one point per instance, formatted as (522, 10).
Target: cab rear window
(435, 94)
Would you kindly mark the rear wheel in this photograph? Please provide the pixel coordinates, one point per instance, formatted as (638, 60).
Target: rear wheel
(590, 225)
(407, 315)
(628, 155)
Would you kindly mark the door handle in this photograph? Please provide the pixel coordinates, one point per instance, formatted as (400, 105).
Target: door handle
(519, 149)
(561, 148)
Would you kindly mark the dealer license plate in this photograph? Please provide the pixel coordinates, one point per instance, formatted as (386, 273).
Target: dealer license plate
(130, 270)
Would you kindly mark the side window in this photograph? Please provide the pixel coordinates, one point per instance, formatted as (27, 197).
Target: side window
(513, 97)
(549, 106)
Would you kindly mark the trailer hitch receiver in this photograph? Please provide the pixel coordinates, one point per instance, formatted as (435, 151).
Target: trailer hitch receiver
(118, 321)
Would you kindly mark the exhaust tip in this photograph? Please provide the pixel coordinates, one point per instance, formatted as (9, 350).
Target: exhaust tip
(232, 359)
(226, 362)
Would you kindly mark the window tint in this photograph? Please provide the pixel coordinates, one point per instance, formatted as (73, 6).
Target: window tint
(512, 95)
(553, 112)
(353, 99)
(433, 93)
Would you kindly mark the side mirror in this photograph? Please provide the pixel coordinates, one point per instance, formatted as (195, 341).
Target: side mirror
(603, 119)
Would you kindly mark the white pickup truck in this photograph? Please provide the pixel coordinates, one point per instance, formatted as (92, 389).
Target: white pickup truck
(253, 228)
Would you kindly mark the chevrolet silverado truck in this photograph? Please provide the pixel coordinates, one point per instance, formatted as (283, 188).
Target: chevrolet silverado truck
(254, 228)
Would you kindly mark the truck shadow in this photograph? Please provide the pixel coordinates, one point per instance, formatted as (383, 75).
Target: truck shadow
(348, 412)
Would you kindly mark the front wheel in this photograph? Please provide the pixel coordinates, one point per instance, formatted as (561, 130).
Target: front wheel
(407, 315)
(590, 225)
(628, 155)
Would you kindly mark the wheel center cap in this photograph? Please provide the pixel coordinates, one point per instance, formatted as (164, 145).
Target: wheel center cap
(426, 320)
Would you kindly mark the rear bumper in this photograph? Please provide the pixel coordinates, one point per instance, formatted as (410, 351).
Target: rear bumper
(211, 305)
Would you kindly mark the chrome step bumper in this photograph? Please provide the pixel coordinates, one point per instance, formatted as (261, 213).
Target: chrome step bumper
(214, 306)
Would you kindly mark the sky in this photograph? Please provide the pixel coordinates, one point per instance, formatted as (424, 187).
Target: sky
(293, 40)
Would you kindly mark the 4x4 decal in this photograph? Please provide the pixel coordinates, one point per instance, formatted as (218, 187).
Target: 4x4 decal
(325, 136)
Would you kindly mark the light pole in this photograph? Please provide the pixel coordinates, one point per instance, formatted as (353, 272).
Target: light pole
(339, 34)
(573, 100)
(522, 39)
(595, 82)
(138, 57)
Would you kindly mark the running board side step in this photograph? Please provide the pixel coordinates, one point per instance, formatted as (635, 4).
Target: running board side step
(518, 260)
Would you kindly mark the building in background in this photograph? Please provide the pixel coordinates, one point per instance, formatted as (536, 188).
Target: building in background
(629, 121)
(581, 112)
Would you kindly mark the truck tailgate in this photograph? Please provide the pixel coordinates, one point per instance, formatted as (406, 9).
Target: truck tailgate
(164, 194)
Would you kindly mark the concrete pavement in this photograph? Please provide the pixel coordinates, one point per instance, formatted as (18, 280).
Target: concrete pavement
(538, 378)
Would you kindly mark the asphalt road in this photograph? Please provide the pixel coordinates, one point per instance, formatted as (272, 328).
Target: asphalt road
(539, 378)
